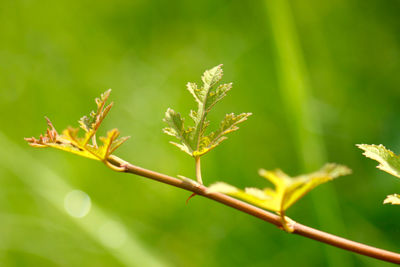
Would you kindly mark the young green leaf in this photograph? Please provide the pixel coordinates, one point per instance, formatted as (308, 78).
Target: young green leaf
(177, 129)
(85, 146)
(287, 190)
(227, 125)
(388, 162)
(193, 139)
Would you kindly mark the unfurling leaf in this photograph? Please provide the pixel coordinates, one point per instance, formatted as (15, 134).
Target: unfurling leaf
(287, 190)
(388, 162)
(193, 139)
(94, 120)
(212, 76)
(85, 146)
(392, 199)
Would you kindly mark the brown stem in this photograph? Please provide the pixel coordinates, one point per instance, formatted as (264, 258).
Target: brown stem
(276, 220)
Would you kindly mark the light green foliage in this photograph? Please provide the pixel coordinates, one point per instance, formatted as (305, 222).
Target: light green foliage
(388, 162)
(392, 199)
(85, 146)
(287, 190)
(193, 139)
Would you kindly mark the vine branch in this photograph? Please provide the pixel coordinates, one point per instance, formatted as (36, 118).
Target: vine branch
(264, 215)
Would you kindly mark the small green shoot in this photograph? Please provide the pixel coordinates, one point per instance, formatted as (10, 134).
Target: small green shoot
(85, 146)
(194, 140)
(388, 162)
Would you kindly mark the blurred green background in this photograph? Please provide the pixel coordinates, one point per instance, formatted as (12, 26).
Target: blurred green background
(319, 77)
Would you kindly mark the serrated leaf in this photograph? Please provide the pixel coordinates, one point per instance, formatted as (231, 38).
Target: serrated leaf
(196, 92)
(287, 190)
(388, 161)
(93, 121)
(392, 199)
(212, 76)
(193, 139)
(177, 129)
(194, 116)
(85, 146)
(214, 96)
(227, 125)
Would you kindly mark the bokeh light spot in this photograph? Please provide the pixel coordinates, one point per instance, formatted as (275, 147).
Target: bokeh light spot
(77, 203)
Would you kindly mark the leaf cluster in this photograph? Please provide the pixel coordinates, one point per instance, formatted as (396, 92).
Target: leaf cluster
(388, 162)
(85, 146)
(193, 139)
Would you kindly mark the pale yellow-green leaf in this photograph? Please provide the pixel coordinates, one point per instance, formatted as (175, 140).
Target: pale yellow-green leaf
(252, 195)
(392, 199)
(222, 187)
(177, 129)
(388, 161)
(303, 184)
(70, 142)
(287, 190)
(214, 96)
(212, 76)
(196, 92)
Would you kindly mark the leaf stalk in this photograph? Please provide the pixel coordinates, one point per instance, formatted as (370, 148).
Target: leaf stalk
(198, 170)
